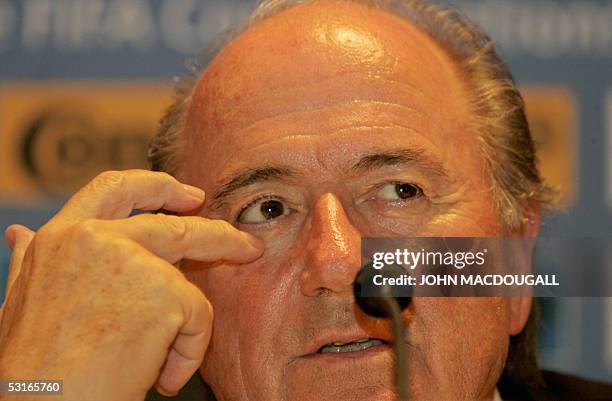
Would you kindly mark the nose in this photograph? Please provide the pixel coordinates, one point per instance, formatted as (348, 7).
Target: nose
(333, 250)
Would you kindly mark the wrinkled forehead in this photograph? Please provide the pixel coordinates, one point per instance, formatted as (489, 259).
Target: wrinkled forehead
(320, 56)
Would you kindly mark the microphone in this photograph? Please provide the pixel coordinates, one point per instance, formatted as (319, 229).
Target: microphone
(373, 299)
(387, 302)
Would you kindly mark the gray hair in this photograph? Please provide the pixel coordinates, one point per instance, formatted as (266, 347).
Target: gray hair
(500, 124)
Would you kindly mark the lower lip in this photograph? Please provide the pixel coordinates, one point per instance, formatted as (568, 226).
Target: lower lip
(340, 356)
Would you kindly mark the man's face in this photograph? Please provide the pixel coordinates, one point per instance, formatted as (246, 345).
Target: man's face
(323, 124)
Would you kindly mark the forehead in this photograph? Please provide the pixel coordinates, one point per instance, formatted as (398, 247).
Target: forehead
(321, 68)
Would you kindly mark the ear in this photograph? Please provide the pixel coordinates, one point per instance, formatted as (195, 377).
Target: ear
(532, 219)
(521, 306)
(519, 313)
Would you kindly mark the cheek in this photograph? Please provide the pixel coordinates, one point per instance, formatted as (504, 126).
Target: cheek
(475, 218)
(224, 340)
(250, 303)
(280, 239)
(464, 340)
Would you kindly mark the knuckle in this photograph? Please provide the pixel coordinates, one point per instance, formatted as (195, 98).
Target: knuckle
(86, 232)
(110, 177)
(227, 233)
(168, 184)
(45, 243)
(177, 226)
(108, 180)
(46, 234)
(162, 280)
(86, 228)
(222, 228)
(163, 176)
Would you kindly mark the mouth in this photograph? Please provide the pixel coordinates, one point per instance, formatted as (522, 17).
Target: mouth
(352, 346)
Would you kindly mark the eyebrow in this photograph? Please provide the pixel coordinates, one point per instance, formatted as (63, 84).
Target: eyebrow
(252, 176)
(418, 157)
(366, 163)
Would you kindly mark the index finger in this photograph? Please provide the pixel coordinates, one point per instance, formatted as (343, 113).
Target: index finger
(115, 194)
(190, 237)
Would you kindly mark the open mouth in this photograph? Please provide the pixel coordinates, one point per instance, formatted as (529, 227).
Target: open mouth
(353, 346)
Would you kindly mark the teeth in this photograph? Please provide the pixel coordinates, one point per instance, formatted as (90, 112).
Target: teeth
(352, 346)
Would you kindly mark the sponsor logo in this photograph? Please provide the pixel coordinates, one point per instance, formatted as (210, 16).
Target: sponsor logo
(56, 137)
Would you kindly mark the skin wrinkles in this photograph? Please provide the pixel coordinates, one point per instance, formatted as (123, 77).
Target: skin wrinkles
(359, 109)
(349, 127)
(327, 86)
(428, 163)
(241, 115)
(452, 192)
(259, 135)
(250, 177)
(269, 312)
(399, 231)
(349, 145)
(370, 163)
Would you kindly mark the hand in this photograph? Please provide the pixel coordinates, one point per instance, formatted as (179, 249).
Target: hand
(94, 299)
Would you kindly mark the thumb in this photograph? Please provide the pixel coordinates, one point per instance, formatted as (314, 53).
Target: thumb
(18, 238)
(187, 351)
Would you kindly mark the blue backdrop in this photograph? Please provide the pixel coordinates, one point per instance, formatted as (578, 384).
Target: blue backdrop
(548, 44)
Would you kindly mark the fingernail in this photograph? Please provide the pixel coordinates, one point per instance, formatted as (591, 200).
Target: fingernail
(255, 241)
(194, 191)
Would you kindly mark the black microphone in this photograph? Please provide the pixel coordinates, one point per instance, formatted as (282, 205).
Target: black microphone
(386, 301)
(372, 298)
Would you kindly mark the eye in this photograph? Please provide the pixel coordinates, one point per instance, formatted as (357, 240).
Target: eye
(263, 210)
(399, 191)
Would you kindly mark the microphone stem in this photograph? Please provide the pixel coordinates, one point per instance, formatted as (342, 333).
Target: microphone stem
(401, 367)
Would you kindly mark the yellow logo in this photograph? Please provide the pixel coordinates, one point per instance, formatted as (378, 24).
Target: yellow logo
(54, 137)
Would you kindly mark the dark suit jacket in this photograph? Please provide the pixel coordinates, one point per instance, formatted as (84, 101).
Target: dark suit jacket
(557, 387)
